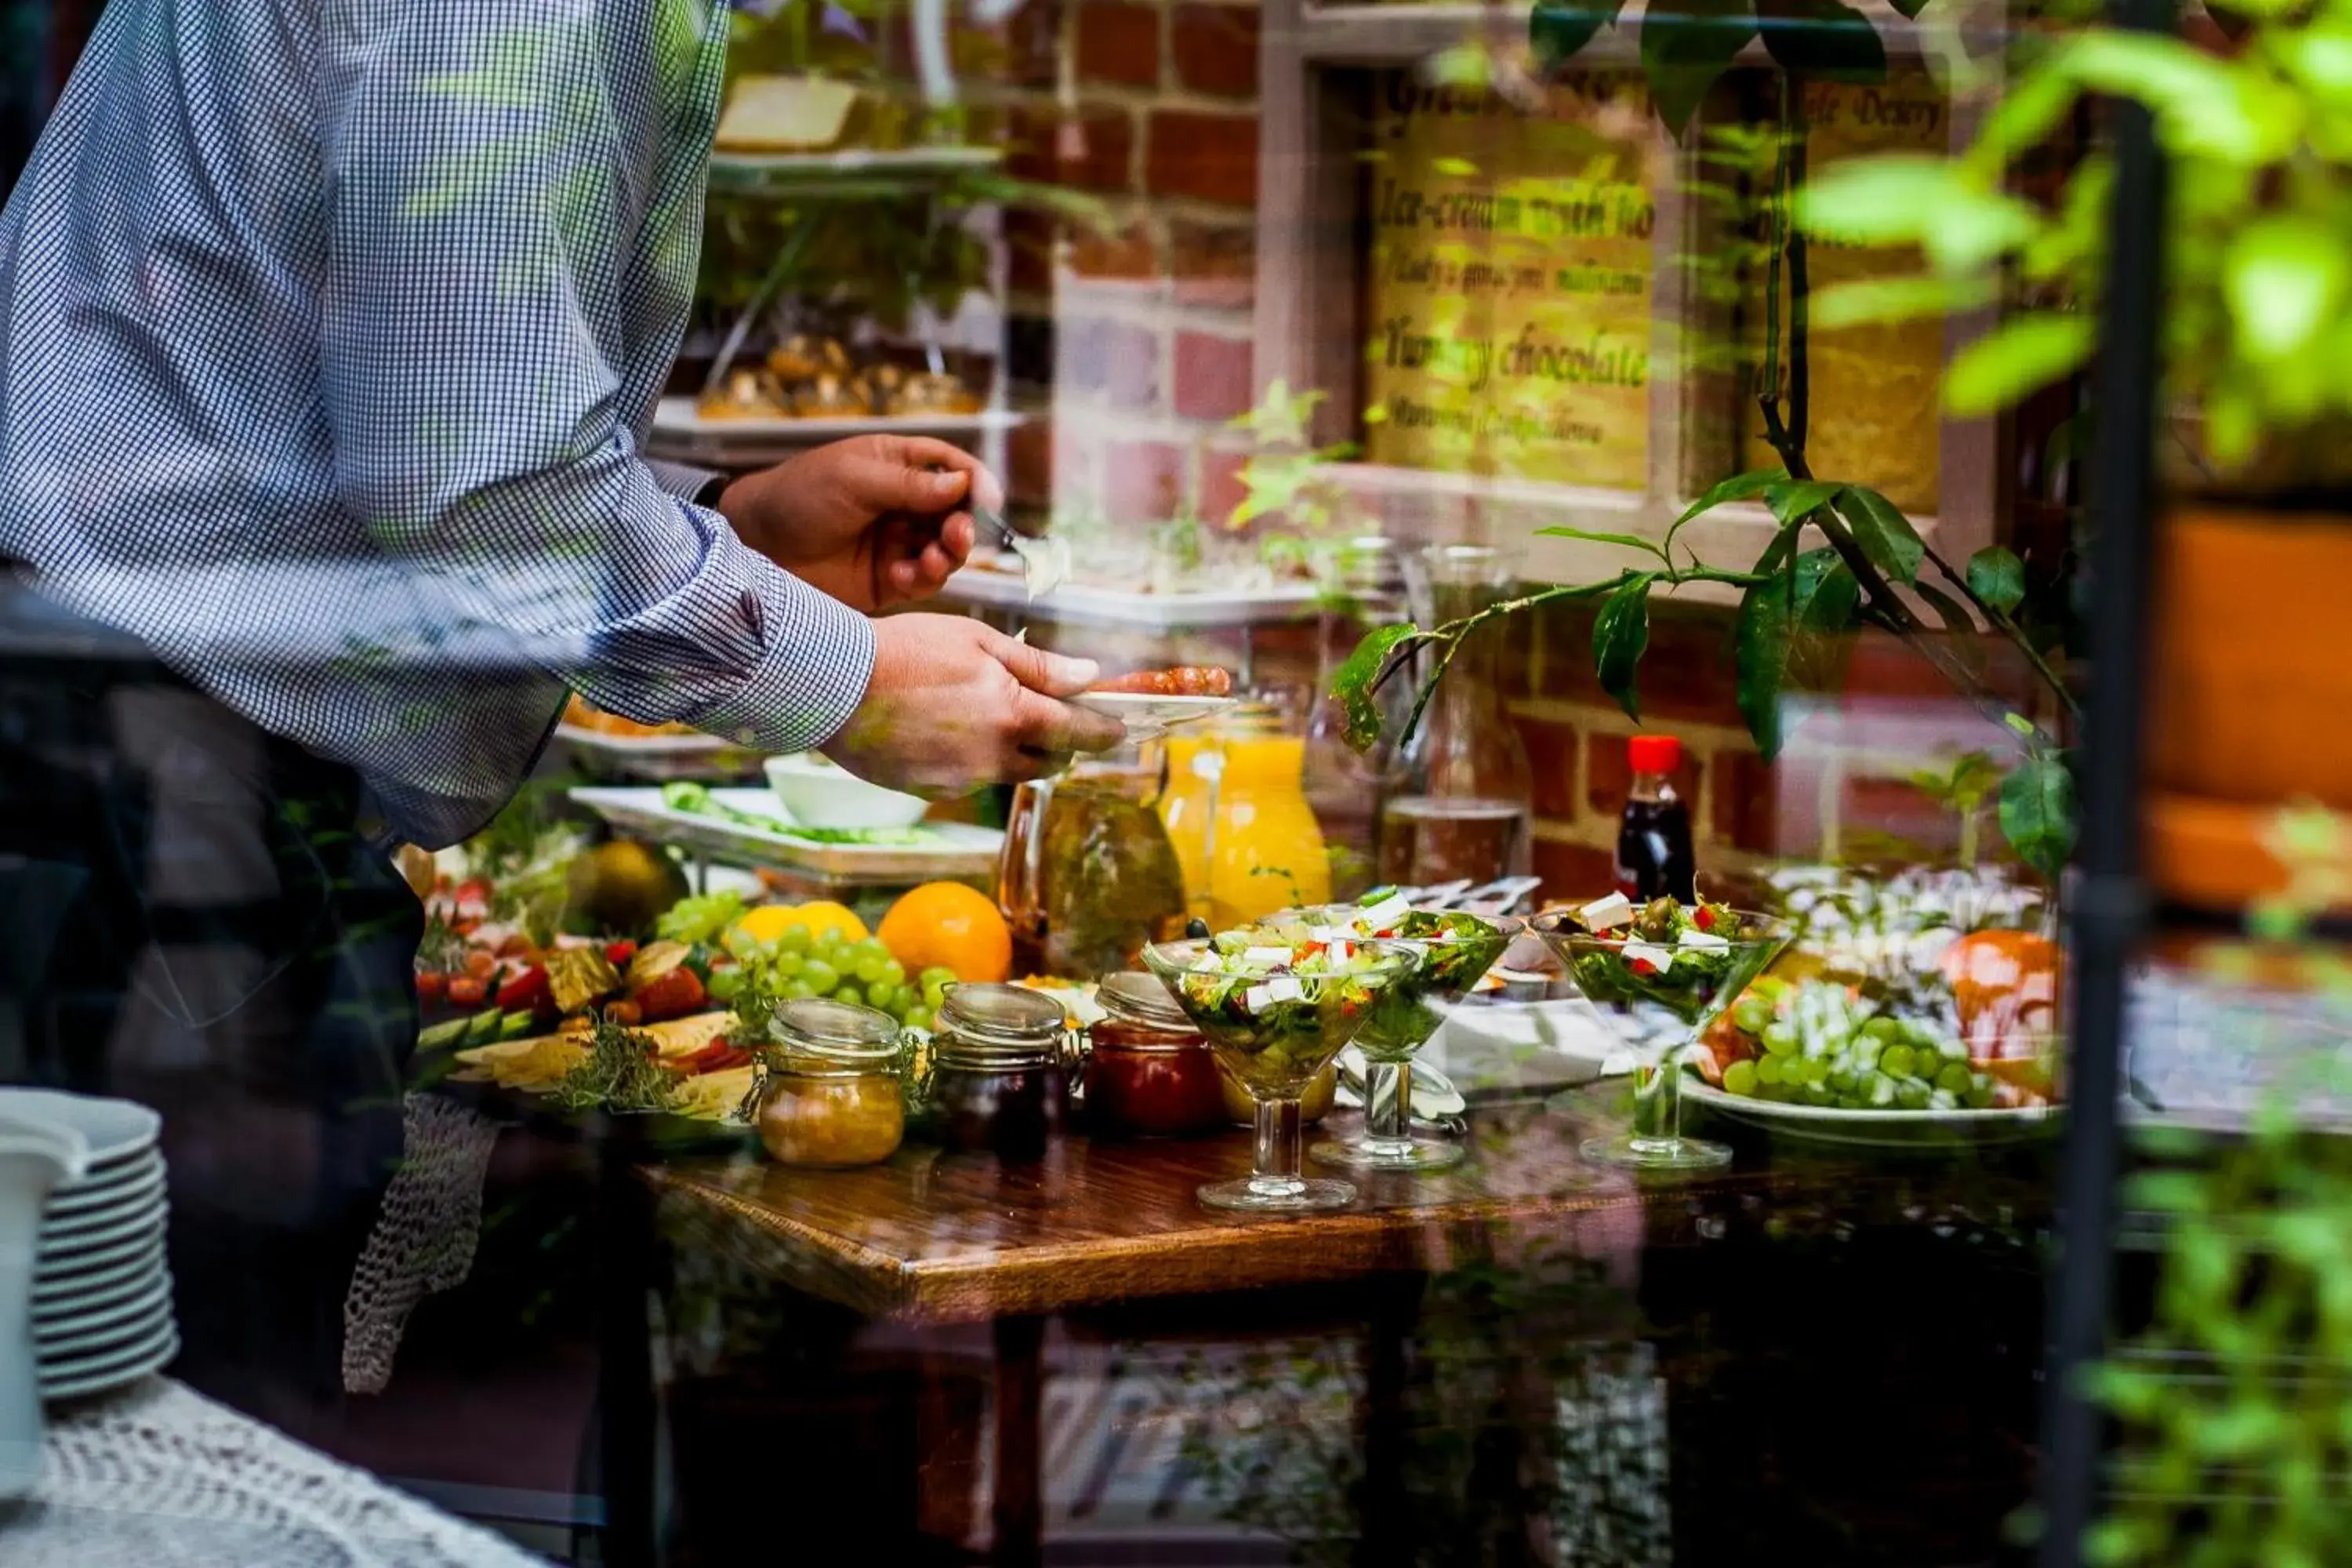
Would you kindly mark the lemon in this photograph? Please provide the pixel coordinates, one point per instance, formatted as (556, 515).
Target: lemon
(770, 921)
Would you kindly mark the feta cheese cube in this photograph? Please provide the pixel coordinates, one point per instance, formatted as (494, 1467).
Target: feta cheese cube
(1262, 957)
(1606, 914)
(1257, 998)
(1283, 988)
(1386, 913)
(1705, 941)
(1661, 957)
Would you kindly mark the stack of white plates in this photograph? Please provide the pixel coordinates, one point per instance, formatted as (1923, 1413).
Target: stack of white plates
(102, 1291)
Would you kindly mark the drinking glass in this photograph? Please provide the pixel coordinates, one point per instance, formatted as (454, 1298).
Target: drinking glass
(1273, 1043)
(1658, 1016)
(1446, 967)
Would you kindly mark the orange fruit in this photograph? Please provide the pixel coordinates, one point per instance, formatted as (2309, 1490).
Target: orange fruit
(949, 926)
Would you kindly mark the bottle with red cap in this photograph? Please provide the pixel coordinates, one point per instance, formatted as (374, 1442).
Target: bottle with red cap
(1653, 836)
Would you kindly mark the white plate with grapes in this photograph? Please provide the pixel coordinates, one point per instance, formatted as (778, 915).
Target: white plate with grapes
(1815, 1060)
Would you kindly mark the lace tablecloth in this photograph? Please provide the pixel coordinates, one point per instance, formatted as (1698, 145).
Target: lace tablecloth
(159, 1474)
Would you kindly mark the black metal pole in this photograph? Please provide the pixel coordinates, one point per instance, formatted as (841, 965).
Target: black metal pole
(2107, 911)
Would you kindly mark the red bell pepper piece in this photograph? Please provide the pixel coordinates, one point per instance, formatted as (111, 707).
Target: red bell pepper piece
(526, 990)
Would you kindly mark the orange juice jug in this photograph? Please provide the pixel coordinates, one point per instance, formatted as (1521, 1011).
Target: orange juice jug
(1236, 812)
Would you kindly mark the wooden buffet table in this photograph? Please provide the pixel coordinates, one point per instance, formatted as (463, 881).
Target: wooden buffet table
(928, 1239)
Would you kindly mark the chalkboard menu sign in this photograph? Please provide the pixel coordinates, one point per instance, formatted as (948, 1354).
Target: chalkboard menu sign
(1509, 293)
(1874, 412)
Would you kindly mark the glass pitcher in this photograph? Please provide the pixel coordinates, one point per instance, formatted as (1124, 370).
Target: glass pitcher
(1087, 875)
(1236, 810)
(1466, 806)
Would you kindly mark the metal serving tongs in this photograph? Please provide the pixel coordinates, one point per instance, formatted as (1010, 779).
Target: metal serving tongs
(1044, 562)
(1502, 897)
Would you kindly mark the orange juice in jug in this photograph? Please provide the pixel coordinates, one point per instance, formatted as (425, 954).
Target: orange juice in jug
(1237, 813)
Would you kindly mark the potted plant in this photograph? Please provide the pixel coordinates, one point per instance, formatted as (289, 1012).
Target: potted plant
(1843, 556)
(2258, 352)
(2258, 252)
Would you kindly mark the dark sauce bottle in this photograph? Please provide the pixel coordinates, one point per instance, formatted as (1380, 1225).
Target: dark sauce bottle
(1654, 837)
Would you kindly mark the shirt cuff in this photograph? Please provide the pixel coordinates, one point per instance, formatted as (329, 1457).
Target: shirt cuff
(686, 482)
(816, 660)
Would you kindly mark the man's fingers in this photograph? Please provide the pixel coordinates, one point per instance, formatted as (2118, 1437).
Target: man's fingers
(957, 536)
(928, 452)
(1041, 671)
(1043, 724)
(879, 484)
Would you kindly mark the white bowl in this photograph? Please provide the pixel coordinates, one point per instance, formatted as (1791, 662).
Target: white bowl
(816, 794)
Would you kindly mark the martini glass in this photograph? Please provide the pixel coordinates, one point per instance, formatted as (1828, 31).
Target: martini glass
(1658, 1014)
(1454, 950)
(1273, 1032)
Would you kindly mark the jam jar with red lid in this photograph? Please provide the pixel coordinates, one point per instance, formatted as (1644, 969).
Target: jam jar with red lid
(999, 1078)
(1148, 1071)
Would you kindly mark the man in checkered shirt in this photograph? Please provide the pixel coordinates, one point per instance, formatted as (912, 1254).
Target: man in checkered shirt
(330, 333)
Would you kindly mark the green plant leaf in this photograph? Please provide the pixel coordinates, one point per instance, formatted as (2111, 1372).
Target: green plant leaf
(2031, 107)
(1822, 37)
(2021, 354)
(1684, 53)
(1621, 635)
(1874, 301)
(1631, 540)
(1356, 679)
(1887, 539)
(1798, 499)
(2204, 105)
(1958, 624)
(1777, 622)
(2284, 278)
(1998, 577)
(1739, 487)
(1556, 32)
(1916, 199)
(2037, 811)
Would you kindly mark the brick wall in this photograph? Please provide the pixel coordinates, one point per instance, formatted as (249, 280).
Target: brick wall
(1131, 346)
(1135, 337)
(1842, 786)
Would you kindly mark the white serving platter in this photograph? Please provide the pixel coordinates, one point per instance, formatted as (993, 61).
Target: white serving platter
(1077, 604)
(111, 1367)
(116, 1130)
(681, 432)
(1146, 716)
(1831, 1124)
(961, 850)
(660, 757)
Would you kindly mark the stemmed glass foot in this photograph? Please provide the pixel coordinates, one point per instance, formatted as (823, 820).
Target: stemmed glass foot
(1278, 1194)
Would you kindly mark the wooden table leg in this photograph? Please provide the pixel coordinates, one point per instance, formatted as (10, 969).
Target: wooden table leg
(1019, 1505)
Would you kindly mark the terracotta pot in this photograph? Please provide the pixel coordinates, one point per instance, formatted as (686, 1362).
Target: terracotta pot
(2248, 694)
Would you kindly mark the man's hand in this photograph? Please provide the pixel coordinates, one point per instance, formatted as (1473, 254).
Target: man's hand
(872, 520)
(953, 703)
